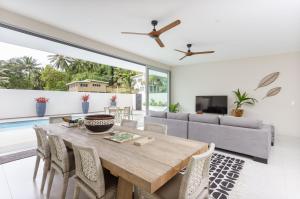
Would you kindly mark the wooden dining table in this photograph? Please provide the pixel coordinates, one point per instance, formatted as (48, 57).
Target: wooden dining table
(149, 166)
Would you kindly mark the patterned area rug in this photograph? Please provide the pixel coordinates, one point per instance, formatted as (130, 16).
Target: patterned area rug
(224, 173)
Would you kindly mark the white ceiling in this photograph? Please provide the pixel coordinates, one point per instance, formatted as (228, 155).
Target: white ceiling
(233, 28)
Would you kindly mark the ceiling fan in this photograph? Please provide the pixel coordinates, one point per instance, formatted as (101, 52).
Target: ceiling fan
(190, 53)
(156, 33)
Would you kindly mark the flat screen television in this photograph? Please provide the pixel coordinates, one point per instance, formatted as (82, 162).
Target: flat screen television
(211, 104)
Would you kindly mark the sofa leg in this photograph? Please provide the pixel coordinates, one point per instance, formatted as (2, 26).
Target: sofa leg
(261, 160)
(272, 143)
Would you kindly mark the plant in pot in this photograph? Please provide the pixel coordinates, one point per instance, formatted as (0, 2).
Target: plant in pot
(41, 106)
(85, 103)
(241, 98)
(113, 100)
(174, 108)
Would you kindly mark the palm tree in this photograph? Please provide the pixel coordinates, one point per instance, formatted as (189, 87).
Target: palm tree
(28, 64)
(60, 61)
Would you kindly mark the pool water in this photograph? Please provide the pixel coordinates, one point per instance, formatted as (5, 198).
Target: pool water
(22, 124)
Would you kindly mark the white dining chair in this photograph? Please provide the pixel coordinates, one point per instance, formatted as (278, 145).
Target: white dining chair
(42, 152)
(132, 124)
(154, 127)
(90, 176)
(192, 184)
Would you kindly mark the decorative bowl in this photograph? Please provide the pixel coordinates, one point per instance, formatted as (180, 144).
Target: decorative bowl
(99, 123)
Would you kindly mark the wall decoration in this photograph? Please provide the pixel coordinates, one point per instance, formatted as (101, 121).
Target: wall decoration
(273, 92)
(267, 80)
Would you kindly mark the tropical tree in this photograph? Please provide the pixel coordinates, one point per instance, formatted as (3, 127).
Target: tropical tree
(3, 76)
(158, 84)
(36, 80)
(60, 61)
(28, 64)
(17, 76)
(54, 79)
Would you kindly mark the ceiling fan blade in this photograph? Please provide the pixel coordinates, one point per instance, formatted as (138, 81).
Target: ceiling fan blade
(134, 33)
(160, 43)
(183, 57)
(168, 27)
(180, 51)
(204, 52)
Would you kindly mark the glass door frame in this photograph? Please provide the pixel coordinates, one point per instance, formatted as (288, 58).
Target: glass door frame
(168, 72)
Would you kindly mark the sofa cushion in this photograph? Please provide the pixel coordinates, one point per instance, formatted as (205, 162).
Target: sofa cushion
(177, 128)
(204, 118)
(161, 114)
(178, 116)
(241, 122)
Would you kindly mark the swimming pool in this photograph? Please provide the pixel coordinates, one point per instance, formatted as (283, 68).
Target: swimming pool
(22, 124)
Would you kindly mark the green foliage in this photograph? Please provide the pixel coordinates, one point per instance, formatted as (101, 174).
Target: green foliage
(3, 75)
(157, 103)
(88, 75)
(19, 72)
(54, 79)
(174, 108)
(60, 61)
(242, 98)
(158, 84)
(26, 73)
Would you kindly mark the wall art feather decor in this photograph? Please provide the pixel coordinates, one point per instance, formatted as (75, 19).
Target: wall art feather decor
(273, 92)
(267, 80)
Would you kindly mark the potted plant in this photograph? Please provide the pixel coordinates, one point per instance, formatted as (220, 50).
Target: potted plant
(174, 108)
(85, 104)
(241, 98)
(41, 106)
(113, 100)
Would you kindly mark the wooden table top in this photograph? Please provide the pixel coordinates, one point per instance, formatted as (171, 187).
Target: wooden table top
(148, 166)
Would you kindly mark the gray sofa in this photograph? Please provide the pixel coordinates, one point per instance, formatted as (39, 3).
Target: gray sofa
(241, 135)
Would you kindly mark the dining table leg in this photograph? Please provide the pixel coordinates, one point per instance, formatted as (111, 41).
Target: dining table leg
(125, 189)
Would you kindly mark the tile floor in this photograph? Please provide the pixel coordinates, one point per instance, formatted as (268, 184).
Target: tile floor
(280, 179)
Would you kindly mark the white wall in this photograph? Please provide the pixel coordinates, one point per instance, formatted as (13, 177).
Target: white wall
(20, 103)
(221, 78)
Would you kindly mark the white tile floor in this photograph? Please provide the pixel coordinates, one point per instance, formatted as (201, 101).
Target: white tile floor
(280, 179)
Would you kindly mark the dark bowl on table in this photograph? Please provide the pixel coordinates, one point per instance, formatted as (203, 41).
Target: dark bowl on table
(99, 123)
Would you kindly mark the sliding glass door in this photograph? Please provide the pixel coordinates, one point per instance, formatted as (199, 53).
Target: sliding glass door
(157, 89)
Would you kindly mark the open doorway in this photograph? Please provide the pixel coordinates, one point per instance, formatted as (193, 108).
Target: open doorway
(33, 67)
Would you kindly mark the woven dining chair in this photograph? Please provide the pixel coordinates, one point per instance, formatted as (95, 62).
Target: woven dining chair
(90, 177)
(117, 112)
(192, 184)
(132, 124)
(62, 161)
(154, 127)
(127, 113)
(42, 152)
